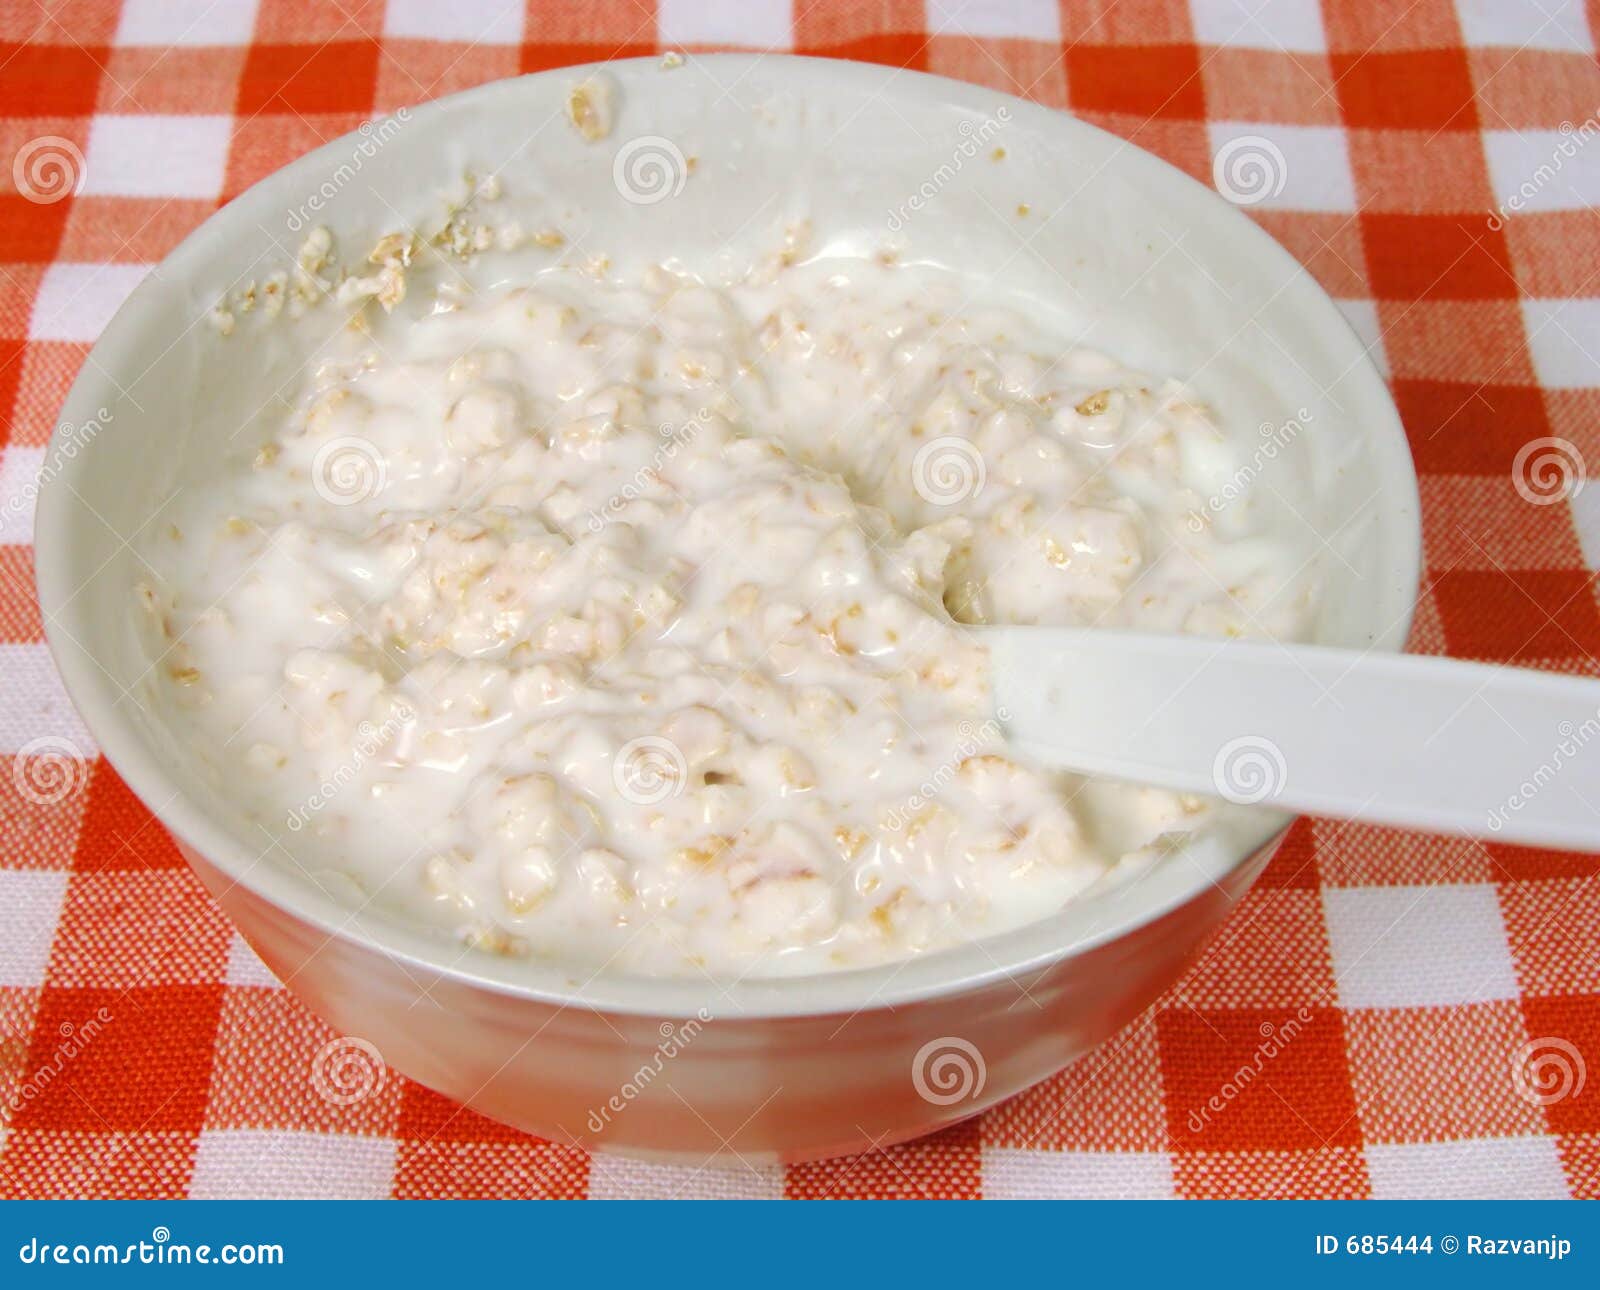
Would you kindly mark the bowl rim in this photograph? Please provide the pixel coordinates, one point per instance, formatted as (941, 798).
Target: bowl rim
(1006, 956)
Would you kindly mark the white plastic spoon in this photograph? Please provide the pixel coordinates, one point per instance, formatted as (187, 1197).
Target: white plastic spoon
(1402, 739)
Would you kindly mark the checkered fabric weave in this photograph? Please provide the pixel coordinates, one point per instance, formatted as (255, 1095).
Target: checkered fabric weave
(1441, 165)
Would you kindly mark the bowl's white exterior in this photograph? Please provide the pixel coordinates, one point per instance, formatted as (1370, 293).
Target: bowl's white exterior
(755, 1089)
(1151, 265)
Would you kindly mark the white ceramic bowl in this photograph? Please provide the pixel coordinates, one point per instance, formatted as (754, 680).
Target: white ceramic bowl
(1148, 264)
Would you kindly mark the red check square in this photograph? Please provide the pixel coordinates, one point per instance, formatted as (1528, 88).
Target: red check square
(306, 80)
(118, 832)
(1422, 89)
(1469, 429)
(1437, 257)
(30, 231)
(121, 1061)
(1558, 1069)
(1147, 82)
(1257, 1079)
(946, 1166)
(1520, 616)
(480, 1169)
(49, 80)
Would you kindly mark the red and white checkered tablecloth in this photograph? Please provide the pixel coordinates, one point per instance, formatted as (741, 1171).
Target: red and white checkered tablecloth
(1446, 993)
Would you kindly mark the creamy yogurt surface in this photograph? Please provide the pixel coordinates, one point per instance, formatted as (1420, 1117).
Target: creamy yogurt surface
(624, 623)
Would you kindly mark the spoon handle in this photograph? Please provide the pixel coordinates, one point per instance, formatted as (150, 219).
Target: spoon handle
(1402, 739)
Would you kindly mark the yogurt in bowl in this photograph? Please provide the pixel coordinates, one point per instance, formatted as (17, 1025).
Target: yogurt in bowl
(621, 624)
(574, 646)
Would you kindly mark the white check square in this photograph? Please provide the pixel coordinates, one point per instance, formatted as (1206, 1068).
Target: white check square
(1542, 170)
(32, 901)
(1018, 19)
(1586, 515)
(76, 301)
(1013, 1174)
(480, 22)
(37, 707)
(1288, 25)
(1470, 1169)
(614, 1178)
(279, 1164)
(756, 24)
(157, 156)
(19, 490)
(186, 22)
(1418, 947)
(1535, 24)
(1282, 167)
(246, 968)
(1564, 339)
